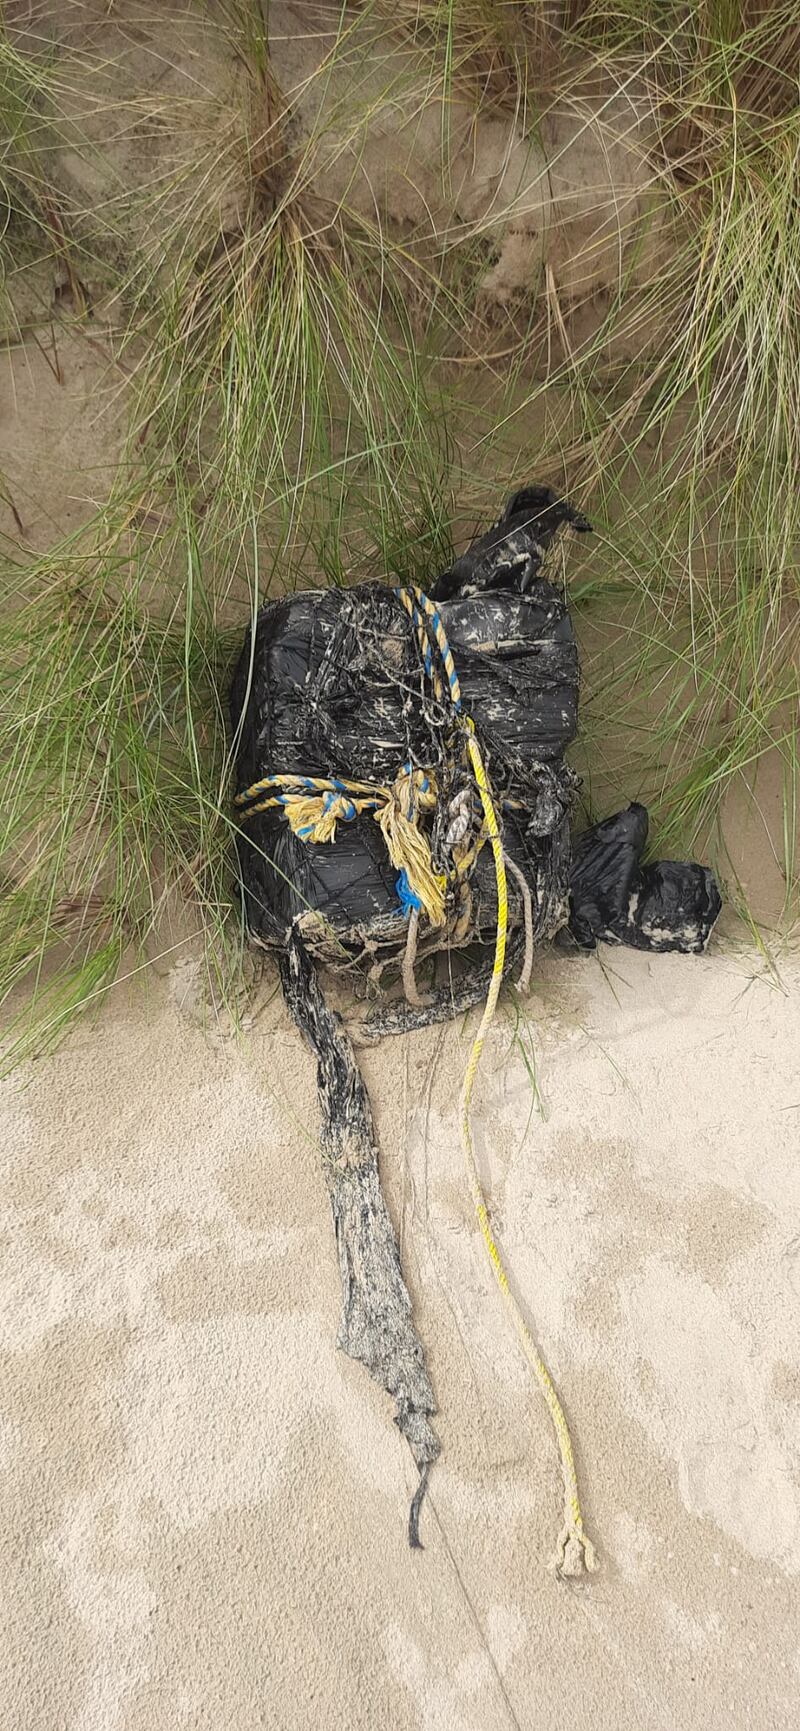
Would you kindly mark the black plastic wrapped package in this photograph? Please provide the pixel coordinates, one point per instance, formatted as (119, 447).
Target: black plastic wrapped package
(333, 684)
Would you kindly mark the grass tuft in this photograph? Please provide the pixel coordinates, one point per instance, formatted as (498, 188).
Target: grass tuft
(310, 389)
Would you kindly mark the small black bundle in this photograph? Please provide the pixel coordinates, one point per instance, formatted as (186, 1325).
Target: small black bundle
(362, 844)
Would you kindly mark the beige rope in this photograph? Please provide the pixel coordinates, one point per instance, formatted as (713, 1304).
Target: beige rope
(413, 996)
(523, 983)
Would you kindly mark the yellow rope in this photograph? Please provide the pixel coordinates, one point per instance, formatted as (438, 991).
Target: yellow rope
(313, 806)
(575, 1552)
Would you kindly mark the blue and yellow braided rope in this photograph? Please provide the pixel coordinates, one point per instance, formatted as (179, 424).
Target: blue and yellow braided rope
(575, 1552)
(417, 603)
(314, 804)
(295, 786)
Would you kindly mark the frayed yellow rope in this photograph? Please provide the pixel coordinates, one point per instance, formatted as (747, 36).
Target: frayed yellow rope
(575, 1551)
(409, 848)
(313, 805)
(315, 816)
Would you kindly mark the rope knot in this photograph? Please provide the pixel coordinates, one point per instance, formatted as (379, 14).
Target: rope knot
(414, 791)
(339, 806)
(315, 817)
(575, 1554)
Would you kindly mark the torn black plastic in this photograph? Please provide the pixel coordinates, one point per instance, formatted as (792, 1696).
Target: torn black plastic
(376, 1326)
(336, 687)
(669, 905)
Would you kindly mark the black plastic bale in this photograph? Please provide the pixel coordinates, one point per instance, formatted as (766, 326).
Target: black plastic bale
(333, 684)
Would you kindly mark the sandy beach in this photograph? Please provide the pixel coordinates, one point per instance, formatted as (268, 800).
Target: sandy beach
(206, 1503)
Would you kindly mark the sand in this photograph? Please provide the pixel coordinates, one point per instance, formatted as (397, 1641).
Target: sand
(205, 1502)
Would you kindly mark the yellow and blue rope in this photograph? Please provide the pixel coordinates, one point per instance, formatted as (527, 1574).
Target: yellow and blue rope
(313, 806)
(417, 604)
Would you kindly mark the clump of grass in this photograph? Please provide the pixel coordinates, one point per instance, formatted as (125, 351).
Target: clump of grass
(291, 420)
(686, 455)
(280, 427)
(114, 747)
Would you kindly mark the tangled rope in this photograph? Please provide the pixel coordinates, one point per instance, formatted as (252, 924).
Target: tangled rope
(575, 1552)
(313, 806)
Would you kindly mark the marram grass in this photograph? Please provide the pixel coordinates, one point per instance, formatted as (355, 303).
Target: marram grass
(294, 417)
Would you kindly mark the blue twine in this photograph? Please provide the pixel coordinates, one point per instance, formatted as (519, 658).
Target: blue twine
(348, 810)
(407, 897)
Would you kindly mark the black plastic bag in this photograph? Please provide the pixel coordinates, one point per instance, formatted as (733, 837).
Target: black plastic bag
(334, 685)
(666, 906)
